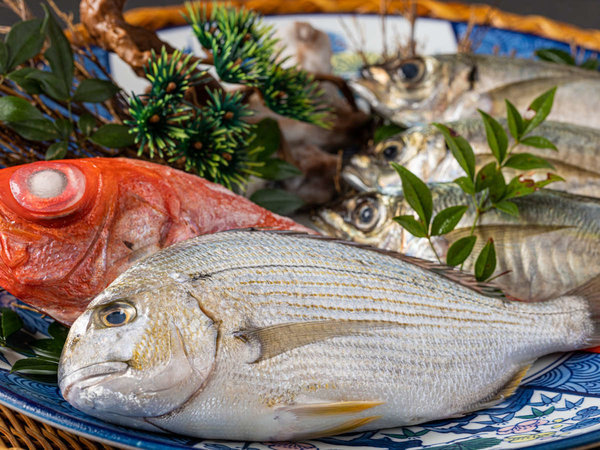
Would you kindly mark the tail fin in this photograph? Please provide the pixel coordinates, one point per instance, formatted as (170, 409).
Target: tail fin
(590, 291)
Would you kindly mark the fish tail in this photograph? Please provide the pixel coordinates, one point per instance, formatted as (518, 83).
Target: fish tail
(590, 292)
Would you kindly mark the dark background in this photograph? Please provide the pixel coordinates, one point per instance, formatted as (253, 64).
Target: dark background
(583, 13)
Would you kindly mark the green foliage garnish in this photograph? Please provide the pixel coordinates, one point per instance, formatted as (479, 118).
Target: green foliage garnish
(386, 131)
(25, 114)
(486, 187)
(41, 355)
(242, 50)
(562, 57)
(277, 200)
(213, 138)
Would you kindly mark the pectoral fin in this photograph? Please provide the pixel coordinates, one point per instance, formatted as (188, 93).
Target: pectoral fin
(278, 339)
(327, 419)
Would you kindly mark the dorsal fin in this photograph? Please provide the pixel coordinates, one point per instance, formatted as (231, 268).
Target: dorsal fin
(463, 278)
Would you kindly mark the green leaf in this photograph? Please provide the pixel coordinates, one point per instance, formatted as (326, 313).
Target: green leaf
(466, 185)
(542, 106)
(113, 136)
(460, 250)
(486, 261)
(277, 169)
(59, 54)
(485, 177)
(497, 186)
(87, 123)
(556, 56)
(23, 42)
(416, 193)
(35, 130)
(527, 161)
(11, 322)
(538, 142)
(94, 91)
(64, 127)
(50, 84)
(460, 148)
(15, 109)
(58, 332)
(552, 178)
(58, 150)
(277, 200)
(446, 220)
(496, 136)
(412, 225)
(519, 188)
(267, 137)
(48, 348)
(28, 85)
(35, 366)
(386, 131)
(515, 121)
(508, 207)
(3, 58)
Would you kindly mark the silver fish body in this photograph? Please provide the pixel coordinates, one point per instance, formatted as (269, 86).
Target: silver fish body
(423, 151)
(442, 88)
(550, 249)
(269, 336)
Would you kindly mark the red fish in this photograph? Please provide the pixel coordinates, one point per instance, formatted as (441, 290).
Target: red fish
(68, 228)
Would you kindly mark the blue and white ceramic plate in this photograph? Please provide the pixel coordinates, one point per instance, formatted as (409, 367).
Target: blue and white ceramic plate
(557, 406)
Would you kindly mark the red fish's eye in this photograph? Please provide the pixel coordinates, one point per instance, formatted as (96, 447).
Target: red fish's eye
(49, 190)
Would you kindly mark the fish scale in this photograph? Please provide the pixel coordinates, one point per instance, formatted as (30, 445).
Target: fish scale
(296, 343)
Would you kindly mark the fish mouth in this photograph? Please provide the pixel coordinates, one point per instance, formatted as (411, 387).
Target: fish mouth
(325, 223)
(91, 375)
(352, 176)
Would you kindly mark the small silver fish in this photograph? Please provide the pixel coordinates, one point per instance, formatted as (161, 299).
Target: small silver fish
(550, 249)
(442, 88)
(253, 335)
(423, 151)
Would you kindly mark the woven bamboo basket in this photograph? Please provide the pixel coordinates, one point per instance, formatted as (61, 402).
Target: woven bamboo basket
(18, 431)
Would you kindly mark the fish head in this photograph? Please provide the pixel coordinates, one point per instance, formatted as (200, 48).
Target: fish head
(68, 228)
(136, 354)
(41, 207)
(413, 91)
(365, 218)
(419, 149)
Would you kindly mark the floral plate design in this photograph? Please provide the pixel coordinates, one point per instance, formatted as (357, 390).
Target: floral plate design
(556, 406)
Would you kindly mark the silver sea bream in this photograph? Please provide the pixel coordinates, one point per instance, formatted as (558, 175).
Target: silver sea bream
(442, 88)
(257, 335)
(551, 248)
(423, 151)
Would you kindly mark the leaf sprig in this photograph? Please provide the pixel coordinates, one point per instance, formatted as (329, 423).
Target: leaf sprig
(486, 187)
(55, 82)
(41, 355)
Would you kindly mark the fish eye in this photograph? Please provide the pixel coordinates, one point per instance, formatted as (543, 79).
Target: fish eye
(116, 314)
(390, 152)
(48, 189)
(365, 215)
(411, 71)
